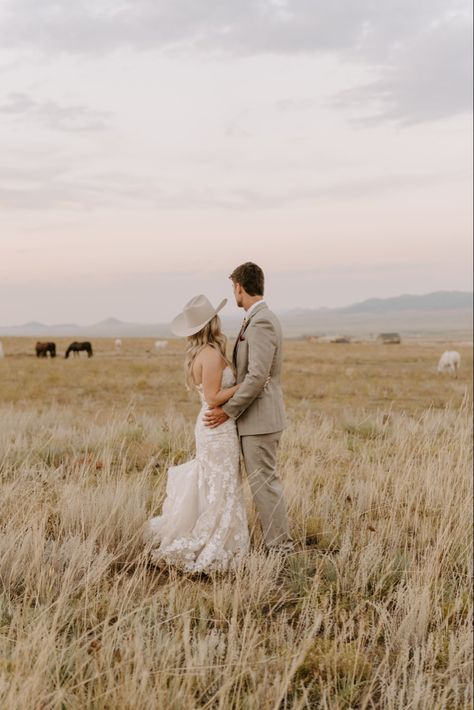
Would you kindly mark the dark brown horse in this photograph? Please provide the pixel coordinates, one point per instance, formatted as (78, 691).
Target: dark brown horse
(76, 347)
(42, 349)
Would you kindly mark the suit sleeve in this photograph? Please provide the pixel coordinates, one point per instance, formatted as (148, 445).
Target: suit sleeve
(262, 343)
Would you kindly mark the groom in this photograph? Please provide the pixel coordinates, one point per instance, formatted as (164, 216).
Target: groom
(257, 406)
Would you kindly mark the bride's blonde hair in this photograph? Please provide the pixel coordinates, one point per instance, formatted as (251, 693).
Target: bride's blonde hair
(211, 335)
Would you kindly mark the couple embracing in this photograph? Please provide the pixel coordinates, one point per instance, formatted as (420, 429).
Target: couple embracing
(203, 525)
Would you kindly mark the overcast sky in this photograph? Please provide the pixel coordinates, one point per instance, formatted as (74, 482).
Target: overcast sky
(147, 147)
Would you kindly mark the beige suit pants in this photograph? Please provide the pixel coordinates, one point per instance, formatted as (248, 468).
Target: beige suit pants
(260, 454)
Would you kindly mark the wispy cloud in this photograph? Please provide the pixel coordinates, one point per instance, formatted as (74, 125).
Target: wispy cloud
(429, 79)
(420, 50)
(94, 191)
(71, 118)
(239, 26)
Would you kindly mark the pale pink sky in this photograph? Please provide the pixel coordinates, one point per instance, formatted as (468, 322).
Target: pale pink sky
(148, 150)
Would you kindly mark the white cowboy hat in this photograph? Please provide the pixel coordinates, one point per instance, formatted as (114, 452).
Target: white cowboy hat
(196, 314)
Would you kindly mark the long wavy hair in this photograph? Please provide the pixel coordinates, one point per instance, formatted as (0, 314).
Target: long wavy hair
(211, 335)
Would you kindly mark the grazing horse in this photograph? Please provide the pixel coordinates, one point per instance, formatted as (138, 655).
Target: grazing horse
(450, 360)
(42, 349)
(76, 347)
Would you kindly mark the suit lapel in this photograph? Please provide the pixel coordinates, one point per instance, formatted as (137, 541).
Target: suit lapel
(234, 353)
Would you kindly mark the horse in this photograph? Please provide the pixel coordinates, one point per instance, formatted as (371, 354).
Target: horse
(42, 349)
(76, 347)
(450, 360)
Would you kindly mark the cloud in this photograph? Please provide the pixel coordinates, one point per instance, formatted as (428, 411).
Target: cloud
(57, 189)
(239, 26)
(70, 118)
(431, 78)
(246, 199)
(409, 44)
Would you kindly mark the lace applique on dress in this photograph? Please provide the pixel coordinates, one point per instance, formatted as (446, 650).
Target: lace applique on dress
(203, 524)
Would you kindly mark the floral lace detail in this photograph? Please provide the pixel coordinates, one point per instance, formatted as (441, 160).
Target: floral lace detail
(203, 524)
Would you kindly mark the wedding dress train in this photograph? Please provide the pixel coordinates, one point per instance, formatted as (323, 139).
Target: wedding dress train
(203, 525)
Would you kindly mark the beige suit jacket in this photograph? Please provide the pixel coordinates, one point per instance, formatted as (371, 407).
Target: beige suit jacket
(257, 406)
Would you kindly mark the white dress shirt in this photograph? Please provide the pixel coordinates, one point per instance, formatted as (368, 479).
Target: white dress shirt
(254, 305)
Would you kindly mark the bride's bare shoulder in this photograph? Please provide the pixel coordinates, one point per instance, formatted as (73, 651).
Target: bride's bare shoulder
(209, 356)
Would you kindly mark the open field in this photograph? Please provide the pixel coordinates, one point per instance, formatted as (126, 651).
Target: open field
(374, 609)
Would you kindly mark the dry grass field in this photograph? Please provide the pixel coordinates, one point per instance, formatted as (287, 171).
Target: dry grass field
(372, 611)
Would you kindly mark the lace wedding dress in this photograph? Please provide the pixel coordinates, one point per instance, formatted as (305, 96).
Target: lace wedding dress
(203, 524)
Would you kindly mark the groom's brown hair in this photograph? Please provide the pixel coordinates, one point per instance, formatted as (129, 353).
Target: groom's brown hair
(250, 277)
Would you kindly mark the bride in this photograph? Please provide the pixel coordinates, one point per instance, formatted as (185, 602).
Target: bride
(203, 524)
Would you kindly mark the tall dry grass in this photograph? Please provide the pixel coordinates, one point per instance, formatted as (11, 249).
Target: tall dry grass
(373, 610)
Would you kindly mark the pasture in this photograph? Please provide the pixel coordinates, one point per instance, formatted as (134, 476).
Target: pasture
(374, 608)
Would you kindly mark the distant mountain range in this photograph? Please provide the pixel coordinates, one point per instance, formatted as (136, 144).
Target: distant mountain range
(438, 300)
(437, 312)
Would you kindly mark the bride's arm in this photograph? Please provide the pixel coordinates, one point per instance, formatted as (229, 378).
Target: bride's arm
(222, 396)
(212, 378)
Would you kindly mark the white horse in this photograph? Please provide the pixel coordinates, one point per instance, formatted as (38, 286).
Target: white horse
(450, 360)
(160, 345)
(118, 345)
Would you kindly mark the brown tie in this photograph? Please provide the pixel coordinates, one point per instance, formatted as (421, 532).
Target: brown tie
(234, 354)
(244, 324)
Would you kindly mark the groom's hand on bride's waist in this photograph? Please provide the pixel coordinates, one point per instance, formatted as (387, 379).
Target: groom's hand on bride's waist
(215, 417)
